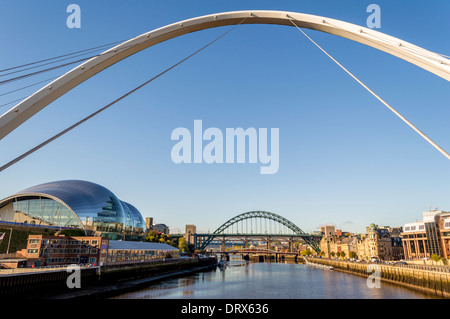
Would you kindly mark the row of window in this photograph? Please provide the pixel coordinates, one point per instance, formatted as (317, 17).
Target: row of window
(68, 242)
(92, 242)
(414, 236)
(49, 261)
(92, 251)
(412, 228)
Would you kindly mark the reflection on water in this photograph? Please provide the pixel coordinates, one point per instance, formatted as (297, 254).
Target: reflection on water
(248, 280)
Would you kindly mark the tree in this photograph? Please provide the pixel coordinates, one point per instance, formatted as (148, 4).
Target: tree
(352, 254)
(343, 254)
(157, 237)
(306, 252)
(332, 254)
(435, 258)
(182, 245)
(338, 254)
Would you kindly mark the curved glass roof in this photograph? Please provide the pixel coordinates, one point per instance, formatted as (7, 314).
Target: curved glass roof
(90, 202)
(86, 199)
(136, 217)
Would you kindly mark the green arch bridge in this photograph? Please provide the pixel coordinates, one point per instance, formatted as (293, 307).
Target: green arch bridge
(257, 225)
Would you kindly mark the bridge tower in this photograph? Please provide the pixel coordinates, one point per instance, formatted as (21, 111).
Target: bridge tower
(223, 244)
(190, 235)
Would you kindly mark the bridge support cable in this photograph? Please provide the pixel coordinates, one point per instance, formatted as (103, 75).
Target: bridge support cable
(429, 140)
(34, 149)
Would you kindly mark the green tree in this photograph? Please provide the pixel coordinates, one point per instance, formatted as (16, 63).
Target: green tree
(338, 254)
(306, 252)
(333, 254)
(182, 245)
(435, 258)
(352, 254)
(343, 254)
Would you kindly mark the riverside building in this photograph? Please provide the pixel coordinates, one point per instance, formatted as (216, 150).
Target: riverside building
(47, 250)
(381, 243)
(74, 204)
(430, 236)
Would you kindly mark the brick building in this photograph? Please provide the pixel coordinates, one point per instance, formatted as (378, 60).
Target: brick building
(45, 250)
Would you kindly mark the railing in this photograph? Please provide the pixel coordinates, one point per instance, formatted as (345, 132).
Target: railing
(435, 280)
(43, 268)
(142, 261)
(437, 268)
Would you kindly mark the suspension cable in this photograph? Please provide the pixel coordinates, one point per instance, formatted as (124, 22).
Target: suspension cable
(375, 95)
(30, 85)
(34, 149)
(60, 56)
(61, 65)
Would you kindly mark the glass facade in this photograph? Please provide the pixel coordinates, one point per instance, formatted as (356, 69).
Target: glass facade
(433, 238)
(75, 204)
(44, 211)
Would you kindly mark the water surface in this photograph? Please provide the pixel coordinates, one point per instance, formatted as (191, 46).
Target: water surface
(271, 281)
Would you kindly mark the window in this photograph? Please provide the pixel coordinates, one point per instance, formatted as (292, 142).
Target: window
(413, 248)
(32, 251)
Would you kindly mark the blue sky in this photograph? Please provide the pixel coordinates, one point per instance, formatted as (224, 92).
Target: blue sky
(344, 158)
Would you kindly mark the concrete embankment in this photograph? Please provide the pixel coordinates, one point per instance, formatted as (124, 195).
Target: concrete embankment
(98, 282)
(434, 282)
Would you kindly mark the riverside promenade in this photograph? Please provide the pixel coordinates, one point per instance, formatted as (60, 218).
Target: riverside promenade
(42, 283)
(424, 278)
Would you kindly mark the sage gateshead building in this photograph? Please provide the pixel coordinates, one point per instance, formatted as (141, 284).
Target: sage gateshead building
(74, 204)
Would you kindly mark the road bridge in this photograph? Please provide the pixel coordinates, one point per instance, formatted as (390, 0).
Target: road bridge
(257, 226)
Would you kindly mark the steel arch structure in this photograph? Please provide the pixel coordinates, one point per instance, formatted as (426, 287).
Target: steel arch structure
(264, 215)
(21, 112)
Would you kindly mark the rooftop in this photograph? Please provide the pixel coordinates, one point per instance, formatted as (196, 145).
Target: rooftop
(138, 245)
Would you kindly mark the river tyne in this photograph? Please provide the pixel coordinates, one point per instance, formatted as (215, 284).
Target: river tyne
(254, 280)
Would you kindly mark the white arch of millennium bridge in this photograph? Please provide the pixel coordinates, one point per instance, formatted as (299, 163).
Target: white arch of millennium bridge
(427, 60)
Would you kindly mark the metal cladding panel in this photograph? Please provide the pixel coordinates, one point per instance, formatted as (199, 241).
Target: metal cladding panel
(133, 245)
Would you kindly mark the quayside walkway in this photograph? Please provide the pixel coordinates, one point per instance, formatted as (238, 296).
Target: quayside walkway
(425, 278)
